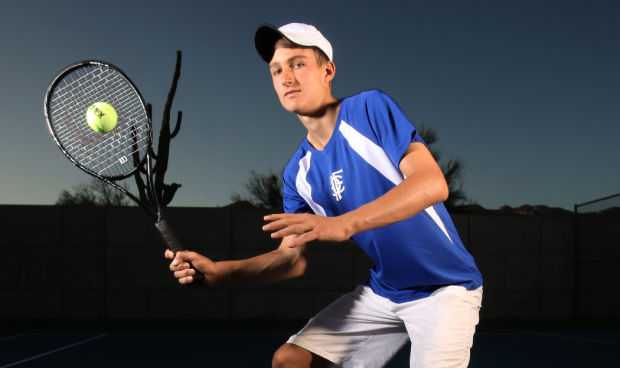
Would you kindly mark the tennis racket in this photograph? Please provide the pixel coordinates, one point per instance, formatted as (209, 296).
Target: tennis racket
(98, 119)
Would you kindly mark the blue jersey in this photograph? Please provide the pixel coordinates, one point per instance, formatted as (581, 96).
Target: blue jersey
(360, 163)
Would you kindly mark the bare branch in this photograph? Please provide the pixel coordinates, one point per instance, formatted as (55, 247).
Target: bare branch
(177, 126)
(166, 192)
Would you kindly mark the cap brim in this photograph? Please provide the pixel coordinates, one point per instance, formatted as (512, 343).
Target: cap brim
(265, 38)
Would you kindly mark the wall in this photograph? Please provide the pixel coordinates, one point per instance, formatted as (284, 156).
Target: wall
(107, 263)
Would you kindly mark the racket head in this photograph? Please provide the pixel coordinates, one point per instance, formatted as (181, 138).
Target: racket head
(112, 155)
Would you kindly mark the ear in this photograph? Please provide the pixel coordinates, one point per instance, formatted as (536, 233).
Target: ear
(330, 71)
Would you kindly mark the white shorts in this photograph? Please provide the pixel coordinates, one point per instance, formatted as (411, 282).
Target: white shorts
(363, 329)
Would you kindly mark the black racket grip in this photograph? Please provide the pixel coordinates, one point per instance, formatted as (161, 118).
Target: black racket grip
(173, 243)
(171, 240)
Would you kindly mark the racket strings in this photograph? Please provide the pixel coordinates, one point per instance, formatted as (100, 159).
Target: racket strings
(113, 154)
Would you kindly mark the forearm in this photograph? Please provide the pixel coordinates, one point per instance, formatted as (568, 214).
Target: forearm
(410, 197)
(277, 265)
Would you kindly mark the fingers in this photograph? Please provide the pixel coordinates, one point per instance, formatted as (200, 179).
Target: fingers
(302, 239)
(308, 227)
(183, 255)
(185, 280)
(181, 261)
(278, 221)
(182, 271)
(292, 230)
(288, 224)
(181, 265)
(177, 265)
(185, 274)
(276, 216)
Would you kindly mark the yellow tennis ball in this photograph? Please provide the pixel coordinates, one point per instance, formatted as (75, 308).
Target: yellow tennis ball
(101, 117)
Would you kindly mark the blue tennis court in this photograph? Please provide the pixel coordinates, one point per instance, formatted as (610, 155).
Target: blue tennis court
(491, 349)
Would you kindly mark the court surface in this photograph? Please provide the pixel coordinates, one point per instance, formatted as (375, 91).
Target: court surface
(491, 349)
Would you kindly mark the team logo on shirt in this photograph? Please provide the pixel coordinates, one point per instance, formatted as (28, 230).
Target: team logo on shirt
(335, 179)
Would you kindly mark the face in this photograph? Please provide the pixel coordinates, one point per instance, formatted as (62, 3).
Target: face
(301, 83)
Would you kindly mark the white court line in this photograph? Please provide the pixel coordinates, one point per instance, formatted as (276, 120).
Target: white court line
(13, 337)
(52, 351)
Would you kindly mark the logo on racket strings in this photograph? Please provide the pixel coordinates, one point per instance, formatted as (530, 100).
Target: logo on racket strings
(123, 160)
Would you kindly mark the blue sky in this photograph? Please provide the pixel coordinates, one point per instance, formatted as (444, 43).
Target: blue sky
(525, 92)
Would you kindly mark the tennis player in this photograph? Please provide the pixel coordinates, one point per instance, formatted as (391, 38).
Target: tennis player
(362, 173)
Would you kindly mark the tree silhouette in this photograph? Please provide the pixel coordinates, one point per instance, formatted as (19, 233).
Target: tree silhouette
(93, 193)
(98, 193)
(452, 169)
(165, 192)
(265, 190)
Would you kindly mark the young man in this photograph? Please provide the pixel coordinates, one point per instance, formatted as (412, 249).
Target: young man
(363, 173)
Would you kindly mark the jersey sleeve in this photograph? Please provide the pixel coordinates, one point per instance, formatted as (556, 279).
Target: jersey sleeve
(392, 128)
(292, 201)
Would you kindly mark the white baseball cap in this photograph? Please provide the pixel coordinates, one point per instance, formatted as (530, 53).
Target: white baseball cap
(299, 33)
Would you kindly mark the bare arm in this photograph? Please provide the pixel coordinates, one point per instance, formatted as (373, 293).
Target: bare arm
(423, 186)
(280, 264)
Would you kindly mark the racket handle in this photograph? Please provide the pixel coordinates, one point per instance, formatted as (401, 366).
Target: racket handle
(171, 240)
(173, 243)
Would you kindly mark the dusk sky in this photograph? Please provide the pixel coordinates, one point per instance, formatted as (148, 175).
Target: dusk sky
(526, 93)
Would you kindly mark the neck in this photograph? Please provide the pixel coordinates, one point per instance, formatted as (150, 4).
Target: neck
(321, 124)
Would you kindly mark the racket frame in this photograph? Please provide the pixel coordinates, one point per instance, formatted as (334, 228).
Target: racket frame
(111, 180)
(157, 216)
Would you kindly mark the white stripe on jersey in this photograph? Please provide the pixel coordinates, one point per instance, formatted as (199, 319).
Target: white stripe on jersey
(371, 153)
(303, 187)
(376, 157)
(433, 214)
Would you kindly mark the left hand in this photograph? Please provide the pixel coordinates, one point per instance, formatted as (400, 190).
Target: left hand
(307, 227)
